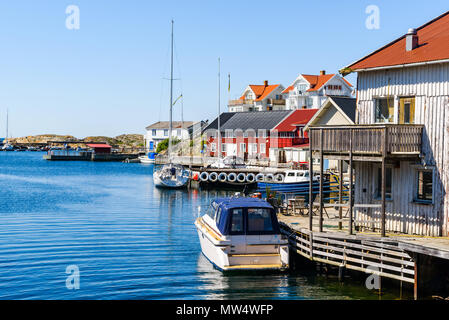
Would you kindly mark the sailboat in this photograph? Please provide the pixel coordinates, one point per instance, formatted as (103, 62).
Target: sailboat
(7, 146)
(171, 175)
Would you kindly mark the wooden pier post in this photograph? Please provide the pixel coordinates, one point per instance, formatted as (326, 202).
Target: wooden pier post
(351, 204)
(310, 180)
(340, 194)
(321, 181)
(384, 182)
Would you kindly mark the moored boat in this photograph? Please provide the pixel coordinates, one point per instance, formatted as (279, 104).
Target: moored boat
(240, 233)
(149, 158)
(288, 181)
(171, 176)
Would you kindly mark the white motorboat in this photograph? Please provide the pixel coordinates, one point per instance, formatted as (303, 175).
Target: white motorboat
(240, 233)
(149, 158)
(171, 176)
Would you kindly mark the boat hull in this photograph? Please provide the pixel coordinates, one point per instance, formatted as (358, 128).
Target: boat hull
(256, 256)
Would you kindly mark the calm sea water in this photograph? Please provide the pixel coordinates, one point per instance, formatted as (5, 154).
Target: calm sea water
(129, 239)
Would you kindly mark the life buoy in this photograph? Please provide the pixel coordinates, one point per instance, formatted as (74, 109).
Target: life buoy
(232, 177)
(204, 176)
(241, 177)
(250, 177)
(269, 177)
(260, 177)
(222, 177)
(213, 177)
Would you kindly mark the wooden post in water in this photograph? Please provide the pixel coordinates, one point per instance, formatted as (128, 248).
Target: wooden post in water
(310, 179)
(384, 182)
(321, 181)
(351, 204)
(340, 194)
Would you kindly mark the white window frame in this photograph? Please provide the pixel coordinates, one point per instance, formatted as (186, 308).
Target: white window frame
(244, 147)
(213, 147)
(263, 148)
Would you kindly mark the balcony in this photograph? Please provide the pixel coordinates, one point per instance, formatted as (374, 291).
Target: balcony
(365, 141)
(276, 101)
(240, 102)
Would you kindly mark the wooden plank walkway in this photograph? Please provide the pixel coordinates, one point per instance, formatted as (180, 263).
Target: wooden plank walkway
(391, 257)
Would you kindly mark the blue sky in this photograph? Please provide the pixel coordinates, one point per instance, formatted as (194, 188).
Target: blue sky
(107, 77)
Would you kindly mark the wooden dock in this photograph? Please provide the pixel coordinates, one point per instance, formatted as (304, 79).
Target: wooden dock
(411, 259)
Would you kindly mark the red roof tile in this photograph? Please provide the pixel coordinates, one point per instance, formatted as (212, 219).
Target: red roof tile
(290, 88)
(261, 91)
(317, 82)
(98, 145)
(297, 117)
(433, 39)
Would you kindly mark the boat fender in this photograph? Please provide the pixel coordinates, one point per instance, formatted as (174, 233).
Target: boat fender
(279, 177)
(204, 176)
(259, 177)
(269, 177)
(213, 177)
(250, 177)
(241, 177)
(222, 177)
(195, 176)
(232, 177)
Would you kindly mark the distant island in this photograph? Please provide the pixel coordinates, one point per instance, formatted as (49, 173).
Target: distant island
(121, 142)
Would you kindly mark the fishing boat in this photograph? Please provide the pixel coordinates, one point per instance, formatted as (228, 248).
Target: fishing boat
(149, 158)
(287, 181)
(171, 175)
(240, 233)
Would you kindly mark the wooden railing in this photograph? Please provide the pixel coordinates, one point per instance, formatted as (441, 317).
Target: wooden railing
(276, 101)
(240, 102)
(368, 139)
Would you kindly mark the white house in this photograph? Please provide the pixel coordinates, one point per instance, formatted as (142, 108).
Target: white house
(400, 143)
(264, 97)
(310, 91)
(158, 132)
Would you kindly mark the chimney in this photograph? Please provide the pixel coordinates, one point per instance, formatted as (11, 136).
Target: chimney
(265, 83)
(322, 72)
(411, 40)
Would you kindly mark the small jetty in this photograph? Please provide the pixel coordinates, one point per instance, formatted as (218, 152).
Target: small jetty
(84, 151)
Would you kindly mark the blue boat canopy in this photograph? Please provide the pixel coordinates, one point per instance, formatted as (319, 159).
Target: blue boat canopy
(245, 216)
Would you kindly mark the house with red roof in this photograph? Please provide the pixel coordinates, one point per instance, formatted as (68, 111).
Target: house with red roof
(259, 135)
(265, 97)
(310, 91)
(398, 146)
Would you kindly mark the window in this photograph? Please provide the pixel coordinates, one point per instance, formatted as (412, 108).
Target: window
(237, 221)
(262, 133)
(262, 148)
(388, 177)
(424, 184)
(178, 132)
(229, 133)
(165, 132)
(153, 132)
(243, 147)
(223, 147)
(406, 110)
(384, 110)
(291, 174)
(259, 220)
(252, 147)
(213, 147)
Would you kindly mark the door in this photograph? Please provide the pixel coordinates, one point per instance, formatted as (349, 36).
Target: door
(406, 110)
(231, 149)
(237, 231)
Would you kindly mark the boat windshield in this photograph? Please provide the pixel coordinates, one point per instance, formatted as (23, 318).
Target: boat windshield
(259, 220)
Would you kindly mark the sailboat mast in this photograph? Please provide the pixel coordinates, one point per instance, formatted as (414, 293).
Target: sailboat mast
(219, 127)
(171, 95)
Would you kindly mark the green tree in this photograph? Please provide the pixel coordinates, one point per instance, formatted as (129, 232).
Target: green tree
(163, 145)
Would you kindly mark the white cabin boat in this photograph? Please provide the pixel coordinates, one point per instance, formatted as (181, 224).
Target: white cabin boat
(241, 233)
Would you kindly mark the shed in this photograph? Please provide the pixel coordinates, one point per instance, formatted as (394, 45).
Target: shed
(100, 147)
